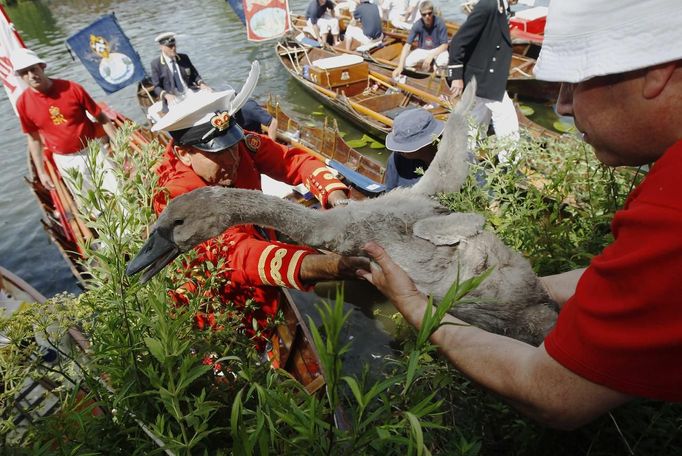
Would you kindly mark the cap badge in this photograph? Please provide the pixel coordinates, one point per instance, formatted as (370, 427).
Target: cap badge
(221, 120)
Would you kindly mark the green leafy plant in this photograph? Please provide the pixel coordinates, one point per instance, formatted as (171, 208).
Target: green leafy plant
(151, 382)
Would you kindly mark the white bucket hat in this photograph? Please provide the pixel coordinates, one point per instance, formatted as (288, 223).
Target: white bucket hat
(24, 58)
(588, 38)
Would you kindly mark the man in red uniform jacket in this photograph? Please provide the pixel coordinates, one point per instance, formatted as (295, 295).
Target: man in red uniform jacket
(52, 113)
(255, 262)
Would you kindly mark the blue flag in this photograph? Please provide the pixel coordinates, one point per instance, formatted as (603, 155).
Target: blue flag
(238, 7)
(105, 51)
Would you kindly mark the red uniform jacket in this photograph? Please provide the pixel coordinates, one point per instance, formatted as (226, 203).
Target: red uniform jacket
(254, 266)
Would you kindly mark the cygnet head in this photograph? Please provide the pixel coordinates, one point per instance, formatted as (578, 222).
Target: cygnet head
(186, 222)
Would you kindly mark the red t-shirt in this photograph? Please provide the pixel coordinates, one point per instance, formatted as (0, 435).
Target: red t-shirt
(59, 116)
(623, 327)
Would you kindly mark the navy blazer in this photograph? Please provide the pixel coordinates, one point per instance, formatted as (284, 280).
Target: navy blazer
(482, 47)
(162, 77)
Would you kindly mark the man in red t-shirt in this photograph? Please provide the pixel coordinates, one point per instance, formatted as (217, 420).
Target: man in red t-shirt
(619, 333)
(53, 115)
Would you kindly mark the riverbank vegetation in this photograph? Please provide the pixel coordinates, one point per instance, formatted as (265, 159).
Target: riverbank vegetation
(155, 380)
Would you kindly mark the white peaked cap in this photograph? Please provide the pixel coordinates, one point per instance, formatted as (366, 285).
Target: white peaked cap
(199, 108)
(195, 109)
(588, 38)
(164, 36)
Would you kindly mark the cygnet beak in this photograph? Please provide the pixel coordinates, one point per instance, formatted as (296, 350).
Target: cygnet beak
(154, 255)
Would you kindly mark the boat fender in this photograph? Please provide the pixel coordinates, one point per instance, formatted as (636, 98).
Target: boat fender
(252, 142)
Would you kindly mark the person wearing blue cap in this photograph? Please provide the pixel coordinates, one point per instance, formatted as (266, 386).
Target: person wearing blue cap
(412, 141)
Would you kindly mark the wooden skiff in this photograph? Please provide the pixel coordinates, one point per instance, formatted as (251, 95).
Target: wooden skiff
(356, 89)
(325, 143)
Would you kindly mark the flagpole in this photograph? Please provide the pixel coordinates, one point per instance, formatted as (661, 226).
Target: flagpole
(12, 27)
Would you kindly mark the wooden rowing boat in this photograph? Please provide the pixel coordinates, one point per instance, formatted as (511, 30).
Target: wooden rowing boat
(520, 82)
(17, 290)
(387, 54)
(33, 400)
(36, 397)
(365, 175)
(353, 87)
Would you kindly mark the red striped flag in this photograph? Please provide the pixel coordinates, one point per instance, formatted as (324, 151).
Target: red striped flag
(9, 41)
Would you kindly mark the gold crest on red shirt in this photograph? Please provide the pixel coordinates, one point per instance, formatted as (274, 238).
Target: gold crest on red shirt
(56, 116)
(221, 120)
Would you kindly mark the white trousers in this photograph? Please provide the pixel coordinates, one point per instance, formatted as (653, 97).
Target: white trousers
(78, 162)
(417, 56)
(503, 115)
(326, 24)
(397, 20)
(355, 32)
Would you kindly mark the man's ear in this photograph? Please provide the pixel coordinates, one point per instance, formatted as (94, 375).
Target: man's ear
(182, 153)
(656, 78)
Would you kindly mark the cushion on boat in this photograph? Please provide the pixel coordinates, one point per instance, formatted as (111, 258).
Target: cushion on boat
(392, 113)
(337, 61)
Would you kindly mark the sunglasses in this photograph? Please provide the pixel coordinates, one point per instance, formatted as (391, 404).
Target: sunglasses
(427, 13)
(170, 45)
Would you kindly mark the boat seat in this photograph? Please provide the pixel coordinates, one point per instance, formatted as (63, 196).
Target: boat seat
(155, 112)
(337, 61)
(371, 45)
(392, 113)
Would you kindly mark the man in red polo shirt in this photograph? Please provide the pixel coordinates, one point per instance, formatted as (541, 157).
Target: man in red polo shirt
(619, 332)
(53, 115)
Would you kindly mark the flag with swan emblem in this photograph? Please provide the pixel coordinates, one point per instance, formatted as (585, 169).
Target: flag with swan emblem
(106, 53)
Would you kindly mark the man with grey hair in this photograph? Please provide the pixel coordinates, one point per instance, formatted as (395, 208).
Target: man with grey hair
(430, 36)
(618, 332)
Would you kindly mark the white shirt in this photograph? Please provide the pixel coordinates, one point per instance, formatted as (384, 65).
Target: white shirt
(173, 66)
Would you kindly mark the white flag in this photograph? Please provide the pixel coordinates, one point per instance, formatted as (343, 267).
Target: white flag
(13, 85)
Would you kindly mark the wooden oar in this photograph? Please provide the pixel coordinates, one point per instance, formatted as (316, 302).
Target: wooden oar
(68, 210)
(409, 89)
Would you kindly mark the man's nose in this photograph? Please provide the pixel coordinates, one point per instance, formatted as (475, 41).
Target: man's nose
(564, 104)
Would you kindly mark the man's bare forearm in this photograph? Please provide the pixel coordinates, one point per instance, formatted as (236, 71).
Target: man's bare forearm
(107, 126)
(562, 286)
(523, 375)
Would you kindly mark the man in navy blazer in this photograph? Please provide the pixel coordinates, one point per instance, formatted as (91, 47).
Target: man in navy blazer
(173, 73)
(482, 48)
